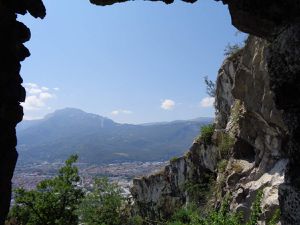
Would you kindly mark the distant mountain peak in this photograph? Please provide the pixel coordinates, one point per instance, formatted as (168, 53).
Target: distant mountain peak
(97, 139)
(74, 112)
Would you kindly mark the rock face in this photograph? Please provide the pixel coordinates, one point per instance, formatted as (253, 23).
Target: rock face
(159, 195)
(258, 128)
(12, 52)
(257, 103)
(246, 111)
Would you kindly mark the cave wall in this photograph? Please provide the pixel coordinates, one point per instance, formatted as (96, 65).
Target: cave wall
(275, 21)
(12, 52)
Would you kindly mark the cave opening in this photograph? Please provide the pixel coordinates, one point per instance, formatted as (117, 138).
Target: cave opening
(273, 17)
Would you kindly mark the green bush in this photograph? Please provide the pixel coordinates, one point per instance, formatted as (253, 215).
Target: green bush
(222, 164)
(256, 209)
(225, 144)
(103, 205)
(223, 216)
(192, 216)
(54, 201)
(173, 159)
(275, 218)
(206, 134)
(199, 190)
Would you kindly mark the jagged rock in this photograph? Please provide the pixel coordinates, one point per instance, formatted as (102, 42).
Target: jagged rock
(159, 195)
(257, 161)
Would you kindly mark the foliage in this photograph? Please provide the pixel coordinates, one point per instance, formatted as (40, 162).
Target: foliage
(173, 159)
(199, 190)
(103, 205)
(206, 133)
(222, 165)
(231, 50)
(225, 144)
(60, 201)
(223, 216)
(191, 216)
(210, 87)
(256, 209)
(53, 202)
(275, 218)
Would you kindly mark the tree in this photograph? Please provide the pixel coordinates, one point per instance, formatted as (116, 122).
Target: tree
(210, 87)
(54, 201)
(230, 50)
(104, 205)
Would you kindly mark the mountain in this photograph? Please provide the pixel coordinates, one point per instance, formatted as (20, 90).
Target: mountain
(98, 139)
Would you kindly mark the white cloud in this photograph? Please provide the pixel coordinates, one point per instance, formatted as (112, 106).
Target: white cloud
(167, 104)
(30, 85)
(121, 111)
(126, 111)
(115, 112)
(37, 96)
(45, 95)
(207, 102)
(33, 90)
(45, 89)
(56, 89)
(32, 117)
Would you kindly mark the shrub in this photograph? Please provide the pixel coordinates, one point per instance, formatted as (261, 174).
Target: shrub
(225, 144)
(199, 190)
(53, 202)
(103, 205)
(275, 218)
(173, 159)
(191, 216)
(222, 164)
(210, 87)
(231, 50)
(256, 209)
(206, 134)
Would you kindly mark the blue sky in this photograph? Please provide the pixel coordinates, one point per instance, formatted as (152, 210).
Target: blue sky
(135, 62)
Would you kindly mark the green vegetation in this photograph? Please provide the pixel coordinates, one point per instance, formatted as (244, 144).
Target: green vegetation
(206, 134)
(225, 144)
(222, 164)
(231, 50)
(60, 201)
(54, 201)
(199, 191)
(173, 159)
(103, 205)
(275, 218)
(210, 87)
(192, 216)
(256, 209)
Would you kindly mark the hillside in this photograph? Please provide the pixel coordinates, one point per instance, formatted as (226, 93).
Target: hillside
(98, 139)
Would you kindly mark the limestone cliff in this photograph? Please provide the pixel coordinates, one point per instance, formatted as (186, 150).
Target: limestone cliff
(246, 153)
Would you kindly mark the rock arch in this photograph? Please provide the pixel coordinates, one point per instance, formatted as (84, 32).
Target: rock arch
(274, 20)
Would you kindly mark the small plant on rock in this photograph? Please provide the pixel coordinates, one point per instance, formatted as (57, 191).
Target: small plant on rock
(225, 144)
(206, 134)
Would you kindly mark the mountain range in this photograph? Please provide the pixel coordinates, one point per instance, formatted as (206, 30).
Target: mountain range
(98, 139)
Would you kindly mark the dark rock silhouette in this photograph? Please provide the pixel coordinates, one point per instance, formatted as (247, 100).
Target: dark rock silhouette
(276, 21)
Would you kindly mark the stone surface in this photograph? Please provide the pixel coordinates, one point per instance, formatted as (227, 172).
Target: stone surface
(246, 110)
(12, 51)
(159, 195)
